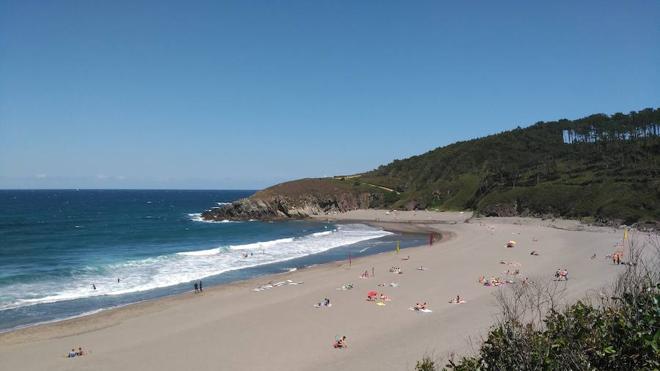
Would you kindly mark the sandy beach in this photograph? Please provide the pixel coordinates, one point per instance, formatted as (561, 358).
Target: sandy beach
(233, 327)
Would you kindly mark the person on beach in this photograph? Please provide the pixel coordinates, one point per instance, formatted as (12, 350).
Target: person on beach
(72, 353)
(200, 286)
(80, 352)
(196, 285)
(340, 343)
(419, 306)
(365, 274)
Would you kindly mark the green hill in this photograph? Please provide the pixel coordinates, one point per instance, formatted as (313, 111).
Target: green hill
(601, 167)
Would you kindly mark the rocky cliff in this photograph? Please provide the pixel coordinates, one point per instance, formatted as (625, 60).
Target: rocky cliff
(300, 199)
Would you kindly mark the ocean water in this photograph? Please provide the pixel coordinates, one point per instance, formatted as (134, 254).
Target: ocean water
(66, 253)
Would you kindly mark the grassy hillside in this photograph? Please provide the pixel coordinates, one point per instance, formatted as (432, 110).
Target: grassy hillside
(609, 170)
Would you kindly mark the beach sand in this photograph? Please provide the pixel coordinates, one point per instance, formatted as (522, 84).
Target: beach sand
(232, 327)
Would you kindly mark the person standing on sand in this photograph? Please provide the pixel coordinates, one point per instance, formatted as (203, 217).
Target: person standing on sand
(200, 286)
(196, 287)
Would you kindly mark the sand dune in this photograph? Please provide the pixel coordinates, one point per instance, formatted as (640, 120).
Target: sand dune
(234, 328)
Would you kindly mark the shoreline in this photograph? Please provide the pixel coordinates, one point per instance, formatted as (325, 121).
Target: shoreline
(144, 305)
(232, 327)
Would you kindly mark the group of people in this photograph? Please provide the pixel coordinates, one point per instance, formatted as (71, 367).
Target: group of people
(324, 303)
(561, 274)
(74, 353)
(94, 285)
(616, 258)
(365, 274)
(456, 300)
(396, 270)
(493, 281)
(419, 306)
(514, 272)
(198, 286)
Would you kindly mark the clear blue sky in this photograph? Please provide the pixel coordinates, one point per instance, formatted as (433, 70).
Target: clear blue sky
(220, 94)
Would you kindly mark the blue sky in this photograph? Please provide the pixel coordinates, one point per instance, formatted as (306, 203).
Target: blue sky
(219, 94)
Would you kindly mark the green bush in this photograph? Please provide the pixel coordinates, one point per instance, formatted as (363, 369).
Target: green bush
(426, 364)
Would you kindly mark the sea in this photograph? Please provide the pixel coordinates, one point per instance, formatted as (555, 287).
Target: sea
(67, 253)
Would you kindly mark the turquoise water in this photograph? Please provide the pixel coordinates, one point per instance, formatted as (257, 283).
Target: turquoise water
(66, 253)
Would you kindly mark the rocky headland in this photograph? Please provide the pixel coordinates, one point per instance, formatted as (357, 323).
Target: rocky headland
(300, 199)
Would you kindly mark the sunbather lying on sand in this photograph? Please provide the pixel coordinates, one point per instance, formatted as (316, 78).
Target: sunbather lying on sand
(421, 308)
(457, 300)
(340, 343)
(396, 270)
(324, 303)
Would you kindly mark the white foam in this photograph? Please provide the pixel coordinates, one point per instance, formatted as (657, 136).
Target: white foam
(197, 217)
(214, 251)
(262, 245)
(173, 269)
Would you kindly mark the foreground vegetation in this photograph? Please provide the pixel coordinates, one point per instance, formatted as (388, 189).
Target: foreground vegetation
(620, 331)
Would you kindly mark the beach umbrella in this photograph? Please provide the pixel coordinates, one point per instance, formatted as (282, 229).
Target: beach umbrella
(372, 293)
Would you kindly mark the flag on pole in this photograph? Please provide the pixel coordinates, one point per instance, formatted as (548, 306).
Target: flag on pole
(397, 247)
(625, 234)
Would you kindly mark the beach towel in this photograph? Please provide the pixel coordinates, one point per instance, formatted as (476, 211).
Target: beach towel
(421, 310)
